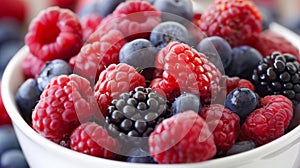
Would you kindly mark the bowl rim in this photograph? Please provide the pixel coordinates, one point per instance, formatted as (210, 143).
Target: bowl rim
(264, 151)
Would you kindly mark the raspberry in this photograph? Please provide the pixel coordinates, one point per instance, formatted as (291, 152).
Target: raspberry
(114, 37)
(186, 70)
(244, 83)
(64, 3)
(114, 80)
(133, 18)
(101, 51)
(65, 102)
(183, 138)
(32, 66)
(236, 82)
(224, 124)
(89, 24)
(268, 122)
(17, 9)
(92, 139)
(197, 19)
(55, 33)
(4, 117)
(237, 21)
(269, 42)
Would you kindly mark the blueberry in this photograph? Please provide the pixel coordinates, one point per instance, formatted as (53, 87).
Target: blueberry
(186, 101)
(27, 97)
(244, 60)
(296, 118)
(53, 68)
(241, 146)
(8, 139)
(139, 156)
(180, 11)
(166, 32)
(13, 159)
(7, 51)
(101, 7)
(138, 53)
(217, 50)
(10, 30)
(241, 101)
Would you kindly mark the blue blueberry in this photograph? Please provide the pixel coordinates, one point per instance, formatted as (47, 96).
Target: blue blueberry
(8, 139)
(138, 53)
(101, 7)
(139, 156)
(10, 30)
(13, 159)
(7, 51)
(53, 68)
(27, 97)
(241, 146)
(217, 50)
(244, 60)
(166, 32)
(180, 11)
(241, 101)
(186, 101)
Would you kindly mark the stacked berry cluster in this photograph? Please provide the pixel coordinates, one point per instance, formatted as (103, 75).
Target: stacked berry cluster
(153, 82)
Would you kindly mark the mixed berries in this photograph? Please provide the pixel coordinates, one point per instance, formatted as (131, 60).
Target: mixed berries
(127, 81)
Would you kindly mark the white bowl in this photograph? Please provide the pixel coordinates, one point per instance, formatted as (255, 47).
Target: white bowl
(40, 152)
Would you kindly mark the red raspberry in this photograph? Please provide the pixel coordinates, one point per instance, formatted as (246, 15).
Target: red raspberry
(114, 37)
(186, 70)
(4, 117)
(92, 139)
(65, 102)
(269, 42)
(81, 3)
(16, 9)
(89, 24)
(102, 51)
(197, 19)
(133, 18)
(224, 124)
(64, 3)
(114, 80)
(237, 21)
(269, 122)
(244, 83)
(235, 82)
(32, 66)
(55, 33)
(183, 138)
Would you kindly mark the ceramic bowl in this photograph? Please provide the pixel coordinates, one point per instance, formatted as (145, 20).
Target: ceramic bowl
(40, 152)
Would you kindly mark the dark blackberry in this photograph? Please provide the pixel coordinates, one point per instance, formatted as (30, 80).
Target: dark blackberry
(135, 115)
(278, 74)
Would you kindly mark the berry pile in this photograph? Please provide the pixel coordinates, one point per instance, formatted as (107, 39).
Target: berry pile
(127, 81)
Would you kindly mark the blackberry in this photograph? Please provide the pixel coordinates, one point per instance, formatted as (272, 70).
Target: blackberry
(135, 115)
(278, 74)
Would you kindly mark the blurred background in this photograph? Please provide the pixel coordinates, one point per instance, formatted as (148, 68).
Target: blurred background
(15, 17)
